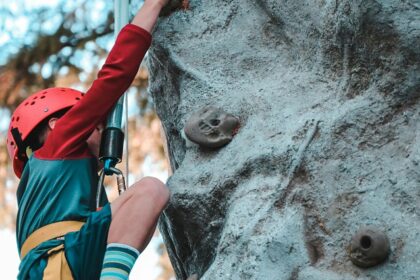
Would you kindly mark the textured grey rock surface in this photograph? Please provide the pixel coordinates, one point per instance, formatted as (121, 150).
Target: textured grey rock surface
(327, 93)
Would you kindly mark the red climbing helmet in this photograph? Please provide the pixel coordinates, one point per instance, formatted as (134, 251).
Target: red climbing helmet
(31, 112)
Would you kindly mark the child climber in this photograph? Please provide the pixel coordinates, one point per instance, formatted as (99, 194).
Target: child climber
(60, 234)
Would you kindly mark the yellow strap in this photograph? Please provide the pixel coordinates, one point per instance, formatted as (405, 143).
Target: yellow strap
(48, 232)
(57, 266)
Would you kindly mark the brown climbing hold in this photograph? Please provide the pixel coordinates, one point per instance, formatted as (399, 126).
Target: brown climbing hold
(369, 247)
(211, 127)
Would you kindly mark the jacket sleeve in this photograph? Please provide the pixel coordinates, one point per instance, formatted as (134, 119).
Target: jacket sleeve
(68, 138)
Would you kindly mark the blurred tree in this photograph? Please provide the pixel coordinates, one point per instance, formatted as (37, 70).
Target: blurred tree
(56, 42)
(63, 43)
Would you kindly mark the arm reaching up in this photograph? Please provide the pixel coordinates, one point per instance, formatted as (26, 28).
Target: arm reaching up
(147, 16)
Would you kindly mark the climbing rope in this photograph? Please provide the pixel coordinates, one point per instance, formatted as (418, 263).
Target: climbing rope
(112, 142)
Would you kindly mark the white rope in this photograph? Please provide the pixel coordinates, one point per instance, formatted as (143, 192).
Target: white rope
(121, 15)
(127, 173)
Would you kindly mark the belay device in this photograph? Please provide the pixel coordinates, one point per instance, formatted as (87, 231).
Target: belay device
(112, 142)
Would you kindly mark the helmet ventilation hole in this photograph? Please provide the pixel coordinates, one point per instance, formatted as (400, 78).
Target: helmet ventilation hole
(17, 119)
(33, 102)
(35, 97)
(26, 103)
(42, 97)
(44, 93)
(12, 143)
(77, 98)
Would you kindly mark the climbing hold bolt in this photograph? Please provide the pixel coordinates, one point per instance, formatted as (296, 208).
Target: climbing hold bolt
(369, 247)
(211, 127)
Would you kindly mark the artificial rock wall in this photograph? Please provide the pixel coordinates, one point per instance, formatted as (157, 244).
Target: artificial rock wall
(327, 96)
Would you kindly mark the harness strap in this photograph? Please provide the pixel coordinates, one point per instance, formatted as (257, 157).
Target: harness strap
(57, 266)
(48, 232)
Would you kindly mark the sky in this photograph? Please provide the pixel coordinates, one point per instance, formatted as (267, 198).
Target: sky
(4, 119)
(14, 30)
(17, 22)
(17, 28)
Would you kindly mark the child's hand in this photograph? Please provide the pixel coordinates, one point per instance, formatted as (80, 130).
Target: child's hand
(163, 3)
(173, 5)
(147, 16)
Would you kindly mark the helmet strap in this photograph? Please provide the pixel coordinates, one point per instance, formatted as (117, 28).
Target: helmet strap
(21, 145)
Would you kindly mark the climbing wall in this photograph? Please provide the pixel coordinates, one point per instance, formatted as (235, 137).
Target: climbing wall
(293, 134)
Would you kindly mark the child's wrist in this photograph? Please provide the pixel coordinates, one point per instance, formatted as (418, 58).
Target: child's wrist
(146, 17)
(153, 4)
